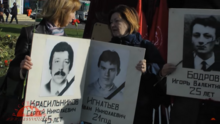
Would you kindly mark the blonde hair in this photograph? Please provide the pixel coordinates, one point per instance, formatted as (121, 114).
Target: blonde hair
(58, 10)
(129, 14)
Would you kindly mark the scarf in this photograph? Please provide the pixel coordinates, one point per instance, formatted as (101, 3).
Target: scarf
(54, 30)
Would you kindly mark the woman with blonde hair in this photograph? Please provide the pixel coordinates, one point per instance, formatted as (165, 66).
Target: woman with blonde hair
(56, 15)
(123, 23)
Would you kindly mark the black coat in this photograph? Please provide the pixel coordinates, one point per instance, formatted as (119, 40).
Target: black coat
(6, 11)
(147, 98)
(14, 10)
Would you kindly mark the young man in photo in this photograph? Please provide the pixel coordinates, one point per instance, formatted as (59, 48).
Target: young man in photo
(109, 68)
(204, 38)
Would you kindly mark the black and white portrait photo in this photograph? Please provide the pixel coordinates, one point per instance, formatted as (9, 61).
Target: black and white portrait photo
(108, 71)
(58, 72)
(201, 49)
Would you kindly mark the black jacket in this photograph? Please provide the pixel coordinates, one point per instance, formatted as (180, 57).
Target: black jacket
(23, 47)
(146, 96)
(6, 11)
(14, 10)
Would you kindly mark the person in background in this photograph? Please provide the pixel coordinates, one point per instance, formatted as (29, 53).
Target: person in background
(7, 12)
(56, 15)
(14, 13)
(123, 23)
(1, 12)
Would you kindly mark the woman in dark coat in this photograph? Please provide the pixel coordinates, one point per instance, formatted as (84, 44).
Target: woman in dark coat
(123, 23)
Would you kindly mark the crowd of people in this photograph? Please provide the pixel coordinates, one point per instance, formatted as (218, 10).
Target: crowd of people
(123, 23)
(4, 9)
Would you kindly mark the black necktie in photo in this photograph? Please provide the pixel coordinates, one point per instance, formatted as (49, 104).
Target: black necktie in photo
(203, 65)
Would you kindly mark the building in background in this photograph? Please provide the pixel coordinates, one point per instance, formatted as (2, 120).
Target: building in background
(20, 4)
(82, 13)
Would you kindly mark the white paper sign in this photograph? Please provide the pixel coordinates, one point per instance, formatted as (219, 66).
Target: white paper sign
(194, 47)
(63, 67)
(56, 81)
(111, 63)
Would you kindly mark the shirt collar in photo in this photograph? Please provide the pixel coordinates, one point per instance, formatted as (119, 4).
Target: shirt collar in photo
(198, 61)
(54, 91)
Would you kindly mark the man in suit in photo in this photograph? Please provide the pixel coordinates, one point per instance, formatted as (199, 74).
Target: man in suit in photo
(60, 64)
(205, 40)
(109, 68)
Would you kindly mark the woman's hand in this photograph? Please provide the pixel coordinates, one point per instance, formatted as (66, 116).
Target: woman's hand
(141, 66)
(26, 64)
(168, 69)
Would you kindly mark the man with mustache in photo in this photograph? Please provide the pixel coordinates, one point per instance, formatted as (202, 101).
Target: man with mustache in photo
(60, 64)
(205, 40)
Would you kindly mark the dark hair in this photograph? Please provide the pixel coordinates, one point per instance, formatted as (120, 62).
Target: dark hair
(61, 47)
(210, 21)
(129, 14)
(110, 56)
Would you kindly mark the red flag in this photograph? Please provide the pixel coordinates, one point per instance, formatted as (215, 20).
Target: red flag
(159, 30)
(142, 21)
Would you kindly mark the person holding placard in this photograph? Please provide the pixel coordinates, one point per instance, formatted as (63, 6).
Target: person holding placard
(123, 23)
(56, 15)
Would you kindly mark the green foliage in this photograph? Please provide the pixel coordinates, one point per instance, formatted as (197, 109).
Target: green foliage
(7, 48)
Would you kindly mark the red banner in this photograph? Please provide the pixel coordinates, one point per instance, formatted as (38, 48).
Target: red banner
(159, 30)
(142, 21)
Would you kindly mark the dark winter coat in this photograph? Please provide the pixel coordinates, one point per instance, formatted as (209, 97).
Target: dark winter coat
(14, 10)
(146, 96)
